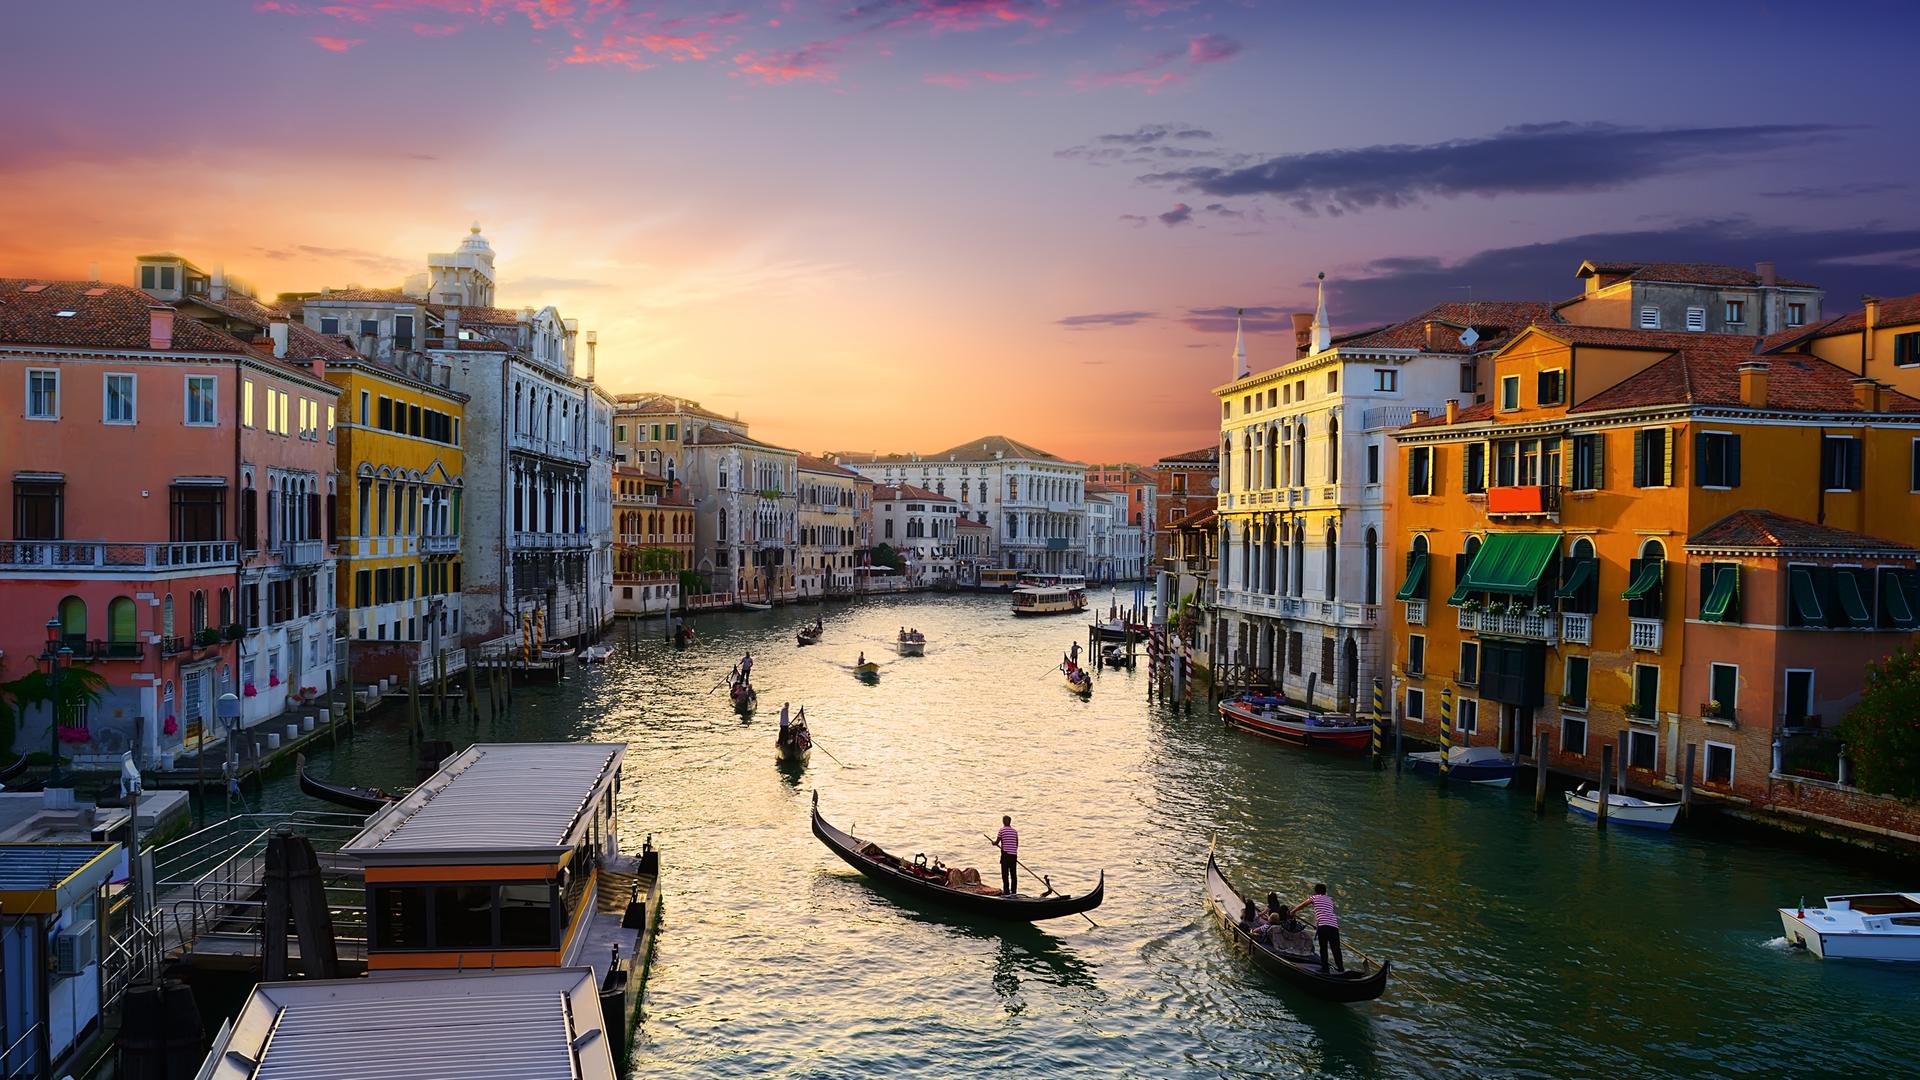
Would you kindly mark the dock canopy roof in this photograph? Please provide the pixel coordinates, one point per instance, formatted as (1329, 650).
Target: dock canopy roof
(526, 1025)
(492, 799)
(40, 879)
(1511, 562)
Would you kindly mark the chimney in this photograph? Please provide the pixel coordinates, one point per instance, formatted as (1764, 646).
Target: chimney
(217, 290)
(1866, 394)
(1764, 268)
(1453, 410)
(1302, 333)
(593, 343)
(450, 327)
(1871, 311)
(319, 368)
(1417, 416)
(1753, 383)
(277, 330)
(159, 327)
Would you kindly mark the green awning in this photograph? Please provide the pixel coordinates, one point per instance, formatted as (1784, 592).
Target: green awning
(1416, 574)
(1647, 580)
(1460, 593)
(1726, 580)
(1897, 604)
(1846, 586)
(1511, 562)
(1806, 599)
(1578, 578)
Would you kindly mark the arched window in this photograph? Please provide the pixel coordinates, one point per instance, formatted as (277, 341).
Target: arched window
(1333, 451)
(1333, 564)
(199, 611)
(1583, 548)
(1226, 464)
(166, 616)
(1299, 559)
(1246, 467)
(1373, 567)
(1653, 549)
(122, 626)
(73, 619)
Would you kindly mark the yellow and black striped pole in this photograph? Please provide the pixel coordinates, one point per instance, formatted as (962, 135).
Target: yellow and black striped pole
(1379, 724)
(1446, 731)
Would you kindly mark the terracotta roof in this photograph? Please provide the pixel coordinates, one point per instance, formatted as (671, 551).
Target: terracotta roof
(989, 447)
(968, 523)
(103, 316)
(364, 296)
(896, 492)
(1206, 455)
(1766, 529)
(1682, 273)
(1894, 311)
(1495, 321)
(709, 436)
(821, 465)
(1706, 372)
(1467, 415)
(870, 457)
(650, 404)
(302, 343)
(471, 345)
(1200, 518)
(1096, 488)
(481, 316)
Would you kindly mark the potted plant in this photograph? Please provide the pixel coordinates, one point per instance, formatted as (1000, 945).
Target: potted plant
(249, 690)
(1496, 607)
(1471, 605)
(1541, 611)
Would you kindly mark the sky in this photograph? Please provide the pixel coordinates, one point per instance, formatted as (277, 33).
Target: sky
(901, 224)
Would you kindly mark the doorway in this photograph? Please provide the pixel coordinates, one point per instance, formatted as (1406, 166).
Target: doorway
(1516, 730)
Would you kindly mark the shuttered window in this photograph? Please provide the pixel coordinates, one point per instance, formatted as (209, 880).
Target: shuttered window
(1653, 458)
(1840, 463)
(1716, 459)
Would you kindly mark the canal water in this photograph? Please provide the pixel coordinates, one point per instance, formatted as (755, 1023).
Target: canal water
(1522, 946)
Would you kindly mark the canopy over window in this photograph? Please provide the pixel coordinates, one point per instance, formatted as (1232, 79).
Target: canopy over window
(1577, 579)
(1645, 581)
(1846, 589)
(1726, 582)
(1412, 588)
(1896, 603)
(1806, 599)
(1511, 562)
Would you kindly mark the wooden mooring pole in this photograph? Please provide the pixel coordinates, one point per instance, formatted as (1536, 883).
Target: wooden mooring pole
(1539, 772)
(1606, 783)
(1686, 786)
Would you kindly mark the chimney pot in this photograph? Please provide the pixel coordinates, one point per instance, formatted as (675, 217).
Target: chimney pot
(1453, 410)
(1417, 416)
(159, 327)
(1866, 394)
(1764, 268)
(1753, 383)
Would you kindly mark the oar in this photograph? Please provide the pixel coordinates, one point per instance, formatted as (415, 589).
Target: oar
(1049, 882)
(829, 753)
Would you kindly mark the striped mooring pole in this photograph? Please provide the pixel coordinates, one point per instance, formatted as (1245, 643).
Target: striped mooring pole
(1379, 724)
(1446, 731)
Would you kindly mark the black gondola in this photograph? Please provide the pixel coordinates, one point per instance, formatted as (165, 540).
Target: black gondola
(810, 635)
(743, 695)
(1363, 983)
(889, 870)
(18, 766)
(364, 799)
(794, 744)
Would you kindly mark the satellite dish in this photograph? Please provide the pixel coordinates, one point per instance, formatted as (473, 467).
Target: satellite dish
(1468, 337)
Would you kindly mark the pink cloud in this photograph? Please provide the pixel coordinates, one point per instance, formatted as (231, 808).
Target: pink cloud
(608, 55)
(814, 62)
(960, 80)
(960, 15)
(336, 44)
(1212, 48)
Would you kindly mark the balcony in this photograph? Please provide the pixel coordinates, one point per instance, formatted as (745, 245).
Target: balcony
(1714, 712)
(1645, 634)
(549, 541)
(103, 556)
(1416, 613)
(1575, 628)
(1504, 624)
(90, 651)
(1523, 501)
(440, 545)
(303, 552)
(548, 447)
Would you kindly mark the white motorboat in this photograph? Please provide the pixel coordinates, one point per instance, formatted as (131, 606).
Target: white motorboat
(750, 605)
(1483, 765)
(1624, 809)
(595, 654)
(912, 644)
(1864, 926)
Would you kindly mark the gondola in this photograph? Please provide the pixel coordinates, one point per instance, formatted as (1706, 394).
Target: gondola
(989, 902)
(363, 799)
(795, 745)
(1078, 681)
(811, 635)
(743, 695)
(18, 766)
(1362, 982)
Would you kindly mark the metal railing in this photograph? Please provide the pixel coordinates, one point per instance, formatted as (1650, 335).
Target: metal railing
(105, 556)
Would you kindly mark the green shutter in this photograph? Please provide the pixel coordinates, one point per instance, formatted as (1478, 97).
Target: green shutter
(1719, 602)
(1511, 562)
(1806, 599)
(1895, 602)
(1846, 588)
(1645, 579)
(1410, 589)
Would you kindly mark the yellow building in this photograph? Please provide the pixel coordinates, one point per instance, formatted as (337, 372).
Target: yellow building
(828, 527)
(398, 515)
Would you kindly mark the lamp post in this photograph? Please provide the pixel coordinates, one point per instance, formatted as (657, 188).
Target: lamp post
(56, 659)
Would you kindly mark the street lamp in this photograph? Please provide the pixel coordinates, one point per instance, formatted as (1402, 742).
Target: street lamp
(56, 659)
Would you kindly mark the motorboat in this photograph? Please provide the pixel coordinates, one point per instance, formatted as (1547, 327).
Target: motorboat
(1273, 718)
(1624, 809)
(911, 643)
(1861, 926)
(1115, 656)
(595, 654)
(1049, 600)
(1484, 765)
(750, 605)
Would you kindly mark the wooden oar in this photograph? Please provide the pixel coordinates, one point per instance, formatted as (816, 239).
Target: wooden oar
(1044, 878)
(816, 745)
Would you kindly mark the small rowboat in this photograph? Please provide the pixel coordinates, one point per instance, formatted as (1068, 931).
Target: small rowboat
(910, 645)
(795, 745)
(1624, 809)
(595, 654)
(1115, 656)
(810, 636)
(363, 799)
(1270, 717)
(1078, 681)
(19, 766)
(743, 696)
(1361, 983)
(929, 884)
(1469, 765)
(867, 670)
(751, 606)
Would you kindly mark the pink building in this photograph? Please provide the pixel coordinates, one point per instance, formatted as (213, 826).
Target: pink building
(124, 530)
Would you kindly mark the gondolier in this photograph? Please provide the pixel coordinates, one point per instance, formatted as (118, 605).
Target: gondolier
(746, 668)
(1008, 841)
(1326, 926)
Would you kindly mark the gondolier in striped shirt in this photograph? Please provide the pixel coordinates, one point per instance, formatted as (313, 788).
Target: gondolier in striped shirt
(1008, 841)
(1326, 927)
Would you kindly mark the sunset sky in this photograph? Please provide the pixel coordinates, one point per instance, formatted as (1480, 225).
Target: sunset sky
(897, 224)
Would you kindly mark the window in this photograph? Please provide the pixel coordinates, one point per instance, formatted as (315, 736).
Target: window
(1333, 382)
(117, 407)
(1649, 318)
(200, 401)
(1271, 395)
(166, 277)
(1417, 654)
(1796, 314)
(399, 916)
(1840, 463)
(147, 277)
(1386, 380)
(43, 394)
(1373, 462)
(1643, 750)
(246, 402)
(1798, 706)
(1588, 452)
(369, 328)
(403, 331)
(1696, 319)
(1646, 693)
(1723, 686)
(1467, 716)
(1573, 734)
(1416, 703)
(1652, 458)
(1469, 379)
(1906, 349)
(1552, 387)
(1473, 473)
(1469, 673)
(1420, 470)
(329, 324)
(1510, 391)
(1719, 764)
(1573, 684)
(1717, 459)
(197, 512)
(1736, 312)
(37, 509)
(670, 432)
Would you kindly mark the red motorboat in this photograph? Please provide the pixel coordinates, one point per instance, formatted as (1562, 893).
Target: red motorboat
(1275, 719)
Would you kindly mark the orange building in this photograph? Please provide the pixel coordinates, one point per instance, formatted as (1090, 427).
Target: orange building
(652, 540)
(1660, 539)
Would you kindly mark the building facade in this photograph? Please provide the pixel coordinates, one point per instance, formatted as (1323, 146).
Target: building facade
(828, 532)
(973, 549)
(919, 525)
(1691, 297)
(1183, 483)
(745, 497)
(653, 541)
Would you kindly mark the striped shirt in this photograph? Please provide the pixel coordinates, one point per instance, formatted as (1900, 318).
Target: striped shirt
(1009, 840)
(1323, 914)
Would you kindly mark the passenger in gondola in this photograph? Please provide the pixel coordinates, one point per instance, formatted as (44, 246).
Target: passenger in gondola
(1326, 926)
(862, 662)
(1283, 932)
(1250, 918)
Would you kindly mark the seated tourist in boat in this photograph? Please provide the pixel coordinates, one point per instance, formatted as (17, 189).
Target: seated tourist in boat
(1250, 917)
(1326, 926)
(1282, 932)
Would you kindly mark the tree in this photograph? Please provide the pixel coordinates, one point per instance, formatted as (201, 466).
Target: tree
(1882, 731)
(77, 686)
(658, 560)
(884, 555)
